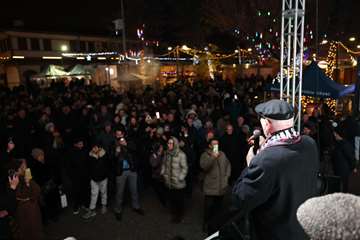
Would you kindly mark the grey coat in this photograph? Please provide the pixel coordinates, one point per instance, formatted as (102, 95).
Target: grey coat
(217, 172)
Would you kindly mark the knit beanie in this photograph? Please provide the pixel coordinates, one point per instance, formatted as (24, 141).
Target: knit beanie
(332, 217)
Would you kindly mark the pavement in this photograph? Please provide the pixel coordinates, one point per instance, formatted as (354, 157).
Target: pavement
(154, 225)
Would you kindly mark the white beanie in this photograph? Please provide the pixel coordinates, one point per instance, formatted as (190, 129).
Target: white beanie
(331, 217)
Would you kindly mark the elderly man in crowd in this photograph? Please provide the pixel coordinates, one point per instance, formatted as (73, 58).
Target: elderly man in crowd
(280, 177)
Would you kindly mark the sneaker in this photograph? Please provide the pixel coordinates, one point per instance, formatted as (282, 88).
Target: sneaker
(139, 211)
(76, 211)
(84, 208)
(103, 209)
(89, 214)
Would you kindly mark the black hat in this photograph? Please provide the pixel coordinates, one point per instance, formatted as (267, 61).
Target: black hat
(275, 109)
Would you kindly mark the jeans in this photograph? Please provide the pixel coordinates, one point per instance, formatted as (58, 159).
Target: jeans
(131, 178)
(97, 187)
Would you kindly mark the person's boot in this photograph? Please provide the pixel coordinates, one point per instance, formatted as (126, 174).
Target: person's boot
(89, 214)
(139, 211)
(118, 216)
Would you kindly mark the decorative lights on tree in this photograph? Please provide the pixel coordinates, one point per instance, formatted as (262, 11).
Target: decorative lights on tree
(331, 59)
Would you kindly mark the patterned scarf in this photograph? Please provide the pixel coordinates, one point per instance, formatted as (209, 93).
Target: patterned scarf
(283, 137)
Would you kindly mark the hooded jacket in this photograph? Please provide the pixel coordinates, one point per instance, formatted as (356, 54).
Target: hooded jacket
(175, 168)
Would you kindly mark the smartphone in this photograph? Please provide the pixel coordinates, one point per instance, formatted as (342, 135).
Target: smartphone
(28, 174)
(216, 148)
(158, 115)
(11, 173)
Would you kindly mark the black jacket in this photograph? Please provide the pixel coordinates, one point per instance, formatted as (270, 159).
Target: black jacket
(99, 166)
(8, 203)
(271, 189)
(124, 154)
(77, 164)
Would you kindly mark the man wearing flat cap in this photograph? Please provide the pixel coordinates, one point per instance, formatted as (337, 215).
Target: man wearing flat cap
(280, 177)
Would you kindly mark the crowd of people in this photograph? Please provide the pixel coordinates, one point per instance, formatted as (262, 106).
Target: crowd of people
(92, 142)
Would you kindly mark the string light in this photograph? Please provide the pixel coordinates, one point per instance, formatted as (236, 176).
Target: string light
(331, 59)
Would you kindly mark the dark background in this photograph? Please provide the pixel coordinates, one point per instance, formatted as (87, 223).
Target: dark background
(173, 21)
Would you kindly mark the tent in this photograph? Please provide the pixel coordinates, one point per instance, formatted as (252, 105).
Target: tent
(316, 84)
(52, 71)
(81, 70)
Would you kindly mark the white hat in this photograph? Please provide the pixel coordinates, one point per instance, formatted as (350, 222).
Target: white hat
(331, 217)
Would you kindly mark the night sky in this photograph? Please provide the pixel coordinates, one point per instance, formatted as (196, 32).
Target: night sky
(171, 21)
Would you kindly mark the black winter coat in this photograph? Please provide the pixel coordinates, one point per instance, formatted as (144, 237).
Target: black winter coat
(99, 166)
(124, 154)
(271, 189)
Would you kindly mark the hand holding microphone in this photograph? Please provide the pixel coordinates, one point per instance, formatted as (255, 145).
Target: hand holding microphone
(254, 140)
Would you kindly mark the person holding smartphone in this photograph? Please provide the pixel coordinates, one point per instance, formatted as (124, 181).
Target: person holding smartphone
(8, 185)
(217, 170)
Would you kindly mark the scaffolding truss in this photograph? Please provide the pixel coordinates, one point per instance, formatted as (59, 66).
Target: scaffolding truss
(292, 49)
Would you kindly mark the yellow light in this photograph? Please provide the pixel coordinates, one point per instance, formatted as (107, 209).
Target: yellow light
(236, 51)
(18, 57)
(352, 39)
(101, 58)
(170, 48)
(249, 50)
(324, 41)
(64, 48)
(322, 64)
(358, 46)
(148, 61)
(80, 58)
(247, 66)
(234, 65)
(53, 58)
(184, 47)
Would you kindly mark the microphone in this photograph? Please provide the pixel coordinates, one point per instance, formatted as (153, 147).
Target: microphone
(256, 134)
(256, 139)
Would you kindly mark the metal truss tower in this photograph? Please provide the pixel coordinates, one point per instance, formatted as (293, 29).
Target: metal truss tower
(292, 49)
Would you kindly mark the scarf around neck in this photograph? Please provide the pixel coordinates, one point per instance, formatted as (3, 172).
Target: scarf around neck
(281, 138)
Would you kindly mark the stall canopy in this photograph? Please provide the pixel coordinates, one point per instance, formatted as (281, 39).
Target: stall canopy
(317, 84)
(81, 70)
(52, 71)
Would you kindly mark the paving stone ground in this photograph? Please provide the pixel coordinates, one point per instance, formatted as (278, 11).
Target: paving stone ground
(155, 225)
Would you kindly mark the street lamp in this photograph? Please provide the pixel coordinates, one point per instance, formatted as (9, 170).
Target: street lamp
(352, 39)
(64, 48)
(239, 55)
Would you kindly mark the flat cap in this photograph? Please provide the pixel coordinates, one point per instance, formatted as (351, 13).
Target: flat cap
(275, 109)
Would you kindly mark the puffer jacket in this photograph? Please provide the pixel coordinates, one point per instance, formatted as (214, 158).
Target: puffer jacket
(217, 172)
(175, 168)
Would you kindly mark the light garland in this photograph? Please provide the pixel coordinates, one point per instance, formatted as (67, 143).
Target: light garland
(309, 100)
(331, 59)
(348, 50)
